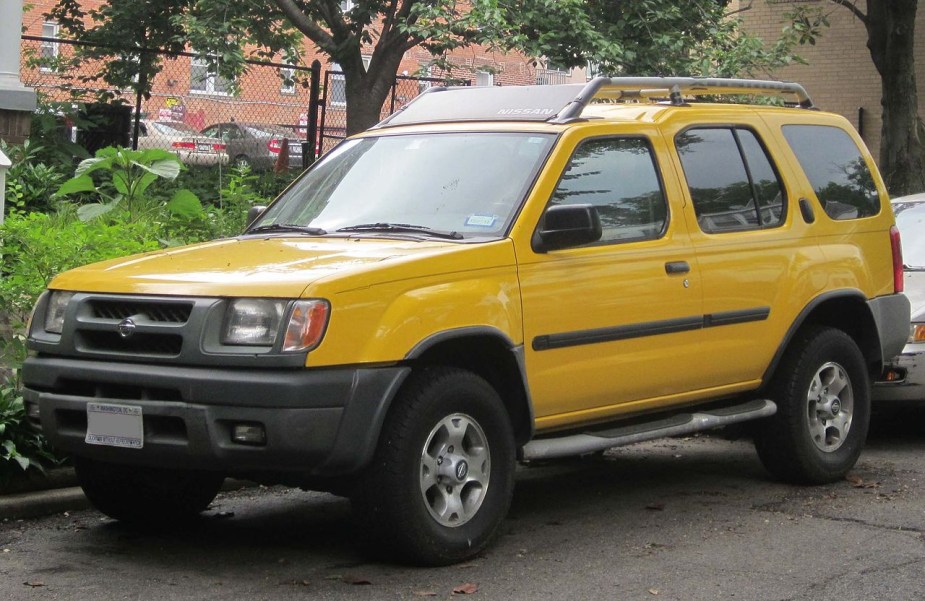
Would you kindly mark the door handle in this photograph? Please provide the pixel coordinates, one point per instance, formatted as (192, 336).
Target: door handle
(673, 267)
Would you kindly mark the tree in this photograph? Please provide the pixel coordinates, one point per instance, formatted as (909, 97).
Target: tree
(642, 37)
(633, 37)
(222, 30)
(891, 40)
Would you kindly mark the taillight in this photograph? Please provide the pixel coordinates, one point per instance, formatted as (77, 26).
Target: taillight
(897, 259)
(184, 145)
(274, 146)
(219, 147)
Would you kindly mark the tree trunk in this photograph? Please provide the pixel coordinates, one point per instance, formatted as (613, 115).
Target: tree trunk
(891, 40)
(367, 89)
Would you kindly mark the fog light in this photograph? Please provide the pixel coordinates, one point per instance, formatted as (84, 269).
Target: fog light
(253, 434)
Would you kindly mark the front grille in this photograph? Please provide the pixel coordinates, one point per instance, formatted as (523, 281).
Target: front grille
(160, 312)
(164, 345)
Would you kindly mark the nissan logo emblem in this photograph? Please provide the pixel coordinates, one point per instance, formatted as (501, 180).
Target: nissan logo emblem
(126, 327)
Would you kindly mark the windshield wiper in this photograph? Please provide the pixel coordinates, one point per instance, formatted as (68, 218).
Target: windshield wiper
(401, 227)
(287, 227)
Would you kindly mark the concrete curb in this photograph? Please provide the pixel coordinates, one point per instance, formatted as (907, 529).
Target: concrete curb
(58, 500)
(43, 502)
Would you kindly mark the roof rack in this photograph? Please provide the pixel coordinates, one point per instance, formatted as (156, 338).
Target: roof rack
(675, 88)
(565, 103)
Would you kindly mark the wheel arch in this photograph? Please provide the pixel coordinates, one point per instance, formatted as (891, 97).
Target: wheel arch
(491, 354)
(846, 310)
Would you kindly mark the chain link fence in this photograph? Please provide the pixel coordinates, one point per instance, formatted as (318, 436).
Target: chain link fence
(273, 117)
(260, 119)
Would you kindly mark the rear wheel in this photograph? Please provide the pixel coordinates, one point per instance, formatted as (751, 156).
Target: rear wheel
(146, 495)
(443, 474)
(242, 160)
(822, 390)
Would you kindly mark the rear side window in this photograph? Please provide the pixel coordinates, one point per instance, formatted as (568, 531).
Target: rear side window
(731, 180)
(835, 169)
(618, 176)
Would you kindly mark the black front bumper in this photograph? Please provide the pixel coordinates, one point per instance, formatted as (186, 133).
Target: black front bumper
(318, 422)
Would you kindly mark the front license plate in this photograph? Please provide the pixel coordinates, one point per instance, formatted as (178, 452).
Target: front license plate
(115, 425)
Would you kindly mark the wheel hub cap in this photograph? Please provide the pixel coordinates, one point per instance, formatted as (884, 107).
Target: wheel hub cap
(455, 470)
(830, 407)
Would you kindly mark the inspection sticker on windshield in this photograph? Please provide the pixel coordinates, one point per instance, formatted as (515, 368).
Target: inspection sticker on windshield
(115, 425)
(481, 220)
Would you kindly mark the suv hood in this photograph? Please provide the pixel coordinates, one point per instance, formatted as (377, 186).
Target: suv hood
(269, 267)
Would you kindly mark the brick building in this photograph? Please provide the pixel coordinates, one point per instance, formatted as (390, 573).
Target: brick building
(840, 75)
(186, 91)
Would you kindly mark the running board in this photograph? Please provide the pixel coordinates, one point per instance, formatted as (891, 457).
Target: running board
(676, 425)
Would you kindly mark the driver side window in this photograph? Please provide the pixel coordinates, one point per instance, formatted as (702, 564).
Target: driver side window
(619, 177)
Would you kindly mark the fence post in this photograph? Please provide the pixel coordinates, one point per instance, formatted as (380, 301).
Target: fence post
(142, 84)
(314, 98)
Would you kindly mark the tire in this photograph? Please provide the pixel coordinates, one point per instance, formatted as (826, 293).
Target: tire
(146, 495)
(442, 476)
(242, 160)
(822, 391)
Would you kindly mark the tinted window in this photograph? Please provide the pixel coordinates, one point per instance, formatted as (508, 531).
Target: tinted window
(731, 180)
(618, 176)
(836, 170)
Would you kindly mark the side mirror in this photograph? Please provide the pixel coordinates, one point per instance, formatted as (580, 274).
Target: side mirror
(564, 226)
(253, 213)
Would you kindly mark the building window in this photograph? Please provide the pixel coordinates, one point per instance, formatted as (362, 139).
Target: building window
(49, 50)
(425, 72)
(287, 76)
(337, 94)
(484, 78)
(204, 79)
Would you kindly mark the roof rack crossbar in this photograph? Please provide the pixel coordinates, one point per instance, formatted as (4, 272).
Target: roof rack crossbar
(675, 88)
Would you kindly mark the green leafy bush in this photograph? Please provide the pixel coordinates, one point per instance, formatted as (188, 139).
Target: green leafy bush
(126, 177)
(37, 246)
(21, 449)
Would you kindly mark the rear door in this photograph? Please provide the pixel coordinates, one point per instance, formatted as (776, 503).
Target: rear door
(752, 244)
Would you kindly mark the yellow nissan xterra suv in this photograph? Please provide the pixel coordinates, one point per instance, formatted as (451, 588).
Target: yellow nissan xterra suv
(491, 275)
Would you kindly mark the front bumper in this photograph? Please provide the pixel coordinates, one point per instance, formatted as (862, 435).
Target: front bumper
(909, 369)
(318, 422)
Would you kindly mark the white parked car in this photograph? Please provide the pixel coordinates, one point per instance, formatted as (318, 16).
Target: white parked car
(905, 375)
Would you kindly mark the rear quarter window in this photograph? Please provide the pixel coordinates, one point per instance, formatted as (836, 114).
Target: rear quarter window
(836, 169)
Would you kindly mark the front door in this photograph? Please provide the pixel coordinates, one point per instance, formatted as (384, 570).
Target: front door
(614, 326)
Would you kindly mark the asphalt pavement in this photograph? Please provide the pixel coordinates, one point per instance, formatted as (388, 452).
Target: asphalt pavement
(685, 519)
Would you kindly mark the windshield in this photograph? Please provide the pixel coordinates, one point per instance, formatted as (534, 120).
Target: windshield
(910, 219)
(461, 185)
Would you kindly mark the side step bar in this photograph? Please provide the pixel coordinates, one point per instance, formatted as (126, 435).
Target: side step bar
(676, 425)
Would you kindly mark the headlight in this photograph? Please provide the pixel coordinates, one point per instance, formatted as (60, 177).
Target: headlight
(55, 311)
(258, 322)
(253, 322)
(918, 333)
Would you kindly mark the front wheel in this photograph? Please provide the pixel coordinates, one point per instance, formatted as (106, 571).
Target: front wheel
(443, 474)
(146, 495)
(822, 391)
